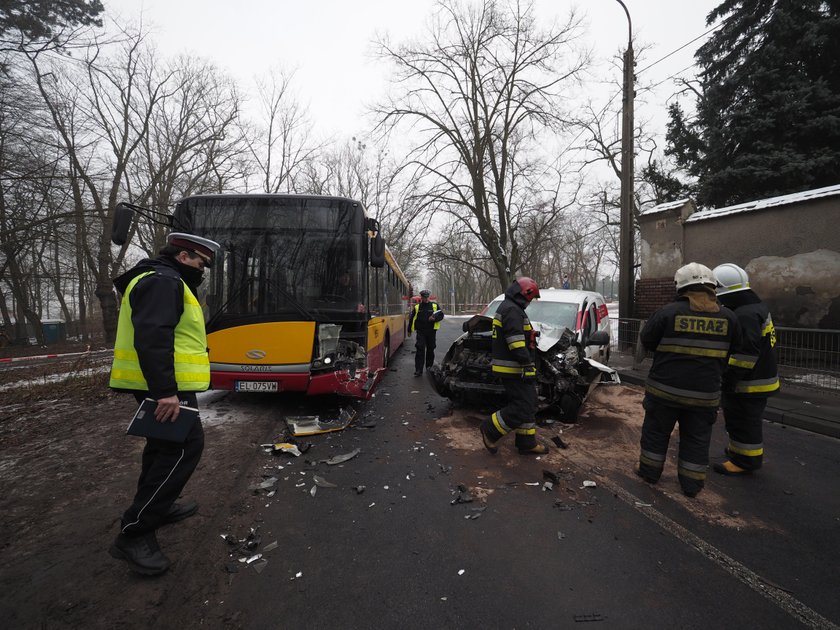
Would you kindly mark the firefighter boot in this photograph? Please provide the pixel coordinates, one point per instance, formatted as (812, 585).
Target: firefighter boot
(489, 444)
(541, 448)
(730, 469)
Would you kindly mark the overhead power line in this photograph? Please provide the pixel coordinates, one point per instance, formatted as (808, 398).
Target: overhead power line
(676, 50)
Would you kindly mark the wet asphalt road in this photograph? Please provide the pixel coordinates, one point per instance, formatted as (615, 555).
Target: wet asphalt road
(400, 555)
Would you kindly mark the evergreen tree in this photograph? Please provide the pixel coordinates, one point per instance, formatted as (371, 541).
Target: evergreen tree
(42, 19)
(768, 110)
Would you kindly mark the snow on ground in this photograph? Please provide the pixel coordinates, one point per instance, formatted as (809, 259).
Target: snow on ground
(55, 378)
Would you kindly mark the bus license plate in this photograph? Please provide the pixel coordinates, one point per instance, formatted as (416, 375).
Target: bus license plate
(255, 386)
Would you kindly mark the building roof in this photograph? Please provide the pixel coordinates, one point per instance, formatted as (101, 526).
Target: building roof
(761, 204)
(670, 205)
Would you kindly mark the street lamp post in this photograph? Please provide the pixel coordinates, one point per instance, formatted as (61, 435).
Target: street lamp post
(626, 263)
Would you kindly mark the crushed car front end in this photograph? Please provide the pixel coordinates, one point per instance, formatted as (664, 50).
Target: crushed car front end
(564, 375)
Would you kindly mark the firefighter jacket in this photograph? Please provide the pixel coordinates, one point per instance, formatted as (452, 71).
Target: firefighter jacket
(751, 370)
(161, 345)
(691, 339)
(420, 317)
(511, 332)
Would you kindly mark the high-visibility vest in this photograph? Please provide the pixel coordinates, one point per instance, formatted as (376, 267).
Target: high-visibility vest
(192, 364)
(413, 325)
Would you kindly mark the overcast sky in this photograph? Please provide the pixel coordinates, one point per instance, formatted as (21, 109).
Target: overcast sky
(329, 42)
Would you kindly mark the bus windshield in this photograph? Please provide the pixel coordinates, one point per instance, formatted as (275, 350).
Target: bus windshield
(283, 257)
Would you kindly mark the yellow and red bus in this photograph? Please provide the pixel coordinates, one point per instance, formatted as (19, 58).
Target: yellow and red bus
(304, 297)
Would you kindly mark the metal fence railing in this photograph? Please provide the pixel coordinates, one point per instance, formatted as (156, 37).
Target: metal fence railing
(807, 357)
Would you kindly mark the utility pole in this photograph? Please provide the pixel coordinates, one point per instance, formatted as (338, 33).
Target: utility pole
(626, 265)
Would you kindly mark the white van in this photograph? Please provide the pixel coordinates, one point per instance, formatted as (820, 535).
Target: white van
(582, 312)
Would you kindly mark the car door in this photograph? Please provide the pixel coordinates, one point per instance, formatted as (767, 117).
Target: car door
(589, 324)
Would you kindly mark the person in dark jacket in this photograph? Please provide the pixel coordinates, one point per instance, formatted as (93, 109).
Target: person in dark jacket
(425, 321)
(161, 352)
(751, 375)
(513, 362)
(691, 339)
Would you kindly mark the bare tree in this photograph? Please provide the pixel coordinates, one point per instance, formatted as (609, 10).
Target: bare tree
(281, 142)
(101, 110)
(480, 93)
(195, 118)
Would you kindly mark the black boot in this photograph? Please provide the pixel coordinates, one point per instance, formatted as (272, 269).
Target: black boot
(142, 553)
(179, 511)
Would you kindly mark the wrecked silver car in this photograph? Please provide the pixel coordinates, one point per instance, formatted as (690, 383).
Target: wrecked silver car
(564, 375)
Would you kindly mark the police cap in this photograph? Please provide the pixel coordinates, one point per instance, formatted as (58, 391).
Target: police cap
(203, 247)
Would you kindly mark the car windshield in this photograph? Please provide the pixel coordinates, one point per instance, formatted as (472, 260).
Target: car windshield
(554, 314)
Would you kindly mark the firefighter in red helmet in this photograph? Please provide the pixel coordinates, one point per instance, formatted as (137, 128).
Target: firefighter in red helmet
(513, 363)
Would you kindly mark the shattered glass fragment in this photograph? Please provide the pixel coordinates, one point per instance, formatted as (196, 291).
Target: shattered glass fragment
(322, 483)
(340, 459)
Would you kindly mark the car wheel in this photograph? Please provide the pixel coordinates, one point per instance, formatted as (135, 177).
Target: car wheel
(570, 407)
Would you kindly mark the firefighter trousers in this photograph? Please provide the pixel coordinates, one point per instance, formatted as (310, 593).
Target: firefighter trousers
(743, 416)
(695, 435)
(517, 415)
(166, 469)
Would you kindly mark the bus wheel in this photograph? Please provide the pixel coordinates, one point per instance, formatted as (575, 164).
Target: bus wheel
(386, 351)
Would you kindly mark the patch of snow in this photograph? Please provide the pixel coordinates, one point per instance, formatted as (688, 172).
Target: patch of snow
(55, 378)
(761, 204)
(662, 207)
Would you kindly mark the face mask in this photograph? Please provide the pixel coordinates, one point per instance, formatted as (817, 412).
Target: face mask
(191, 275)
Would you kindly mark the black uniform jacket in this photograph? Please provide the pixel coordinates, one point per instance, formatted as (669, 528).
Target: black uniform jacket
(752, 366)
(157, 303)
(511, 331)
(420, 317)
(690, 353)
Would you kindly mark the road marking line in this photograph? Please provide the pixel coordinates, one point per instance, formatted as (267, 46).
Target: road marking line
(783, 600)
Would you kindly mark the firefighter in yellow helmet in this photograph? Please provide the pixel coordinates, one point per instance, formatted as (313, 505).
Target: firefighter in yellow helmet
(513, 362)
(751, 375)
(691, 339)
(161, 353)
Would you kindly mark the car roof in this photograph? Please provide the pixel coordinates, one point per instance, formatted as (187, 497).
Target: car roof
(569, 296)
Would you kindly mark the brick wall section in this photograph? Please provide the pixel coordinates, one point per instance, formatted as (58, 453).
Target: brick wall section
(652, 294)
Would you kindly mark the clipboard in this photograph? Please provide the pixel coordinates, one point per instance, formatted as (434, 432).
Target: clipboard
(144, 424)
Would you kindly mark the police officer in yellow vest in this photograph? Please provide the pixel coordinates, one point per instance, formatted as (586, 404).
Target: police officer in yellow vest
(425, 320)
(161, 353)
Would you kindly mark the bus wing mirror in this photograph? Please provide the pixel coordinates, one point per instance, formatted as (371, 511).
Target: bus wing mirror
(121, 224)
(377, 251)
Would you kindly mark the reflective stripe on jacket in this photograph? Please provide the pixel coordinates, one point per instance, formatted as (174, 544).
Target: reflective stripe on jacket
(511, 327)
(191, 361)
(751, 369)
(690, 353)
